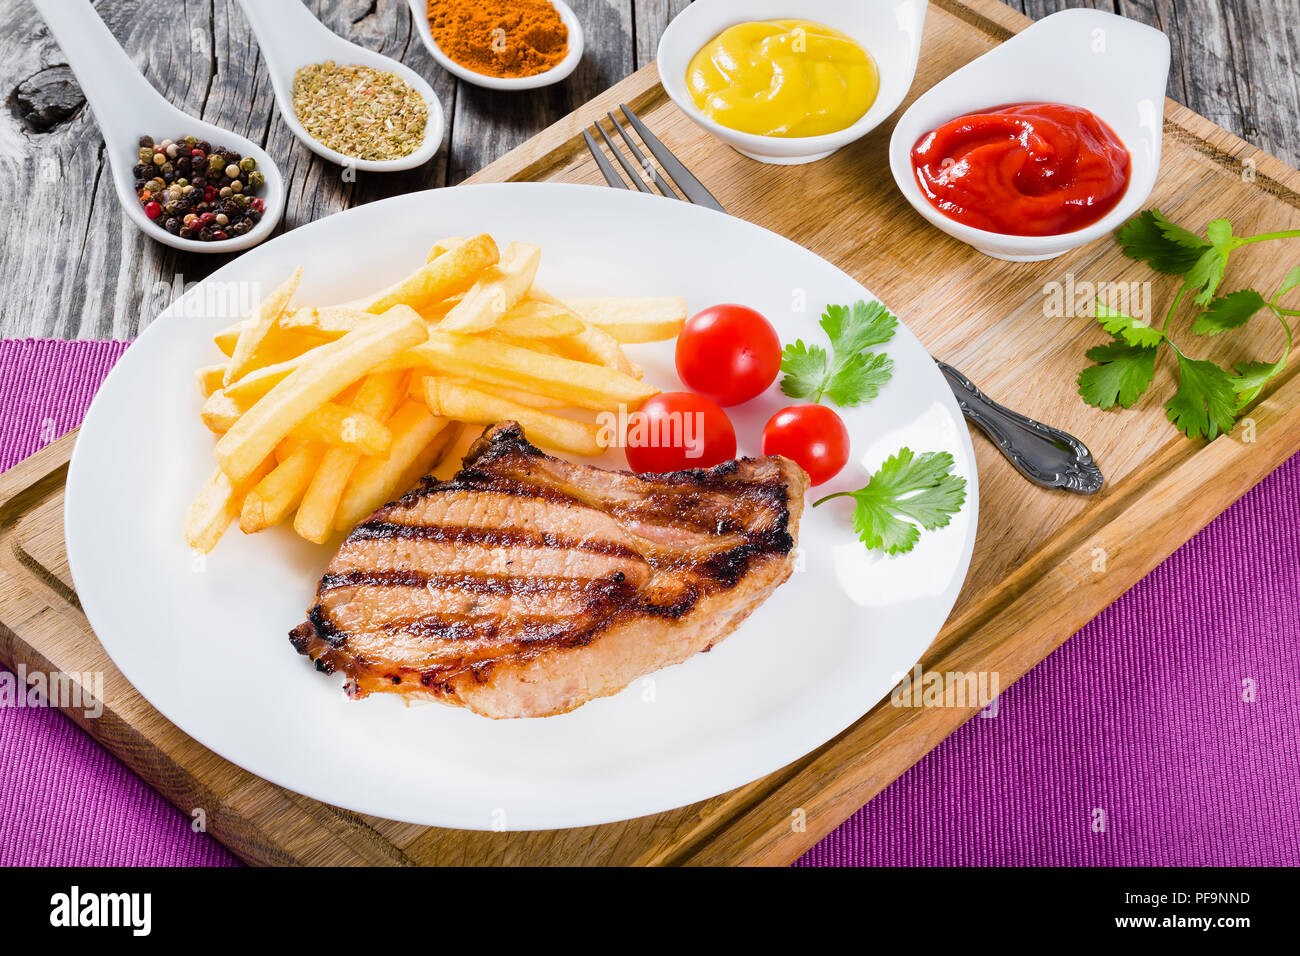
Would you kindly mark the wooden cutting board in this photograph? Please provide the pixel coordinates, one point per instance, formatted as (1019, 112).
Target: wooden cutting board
(1045, 563)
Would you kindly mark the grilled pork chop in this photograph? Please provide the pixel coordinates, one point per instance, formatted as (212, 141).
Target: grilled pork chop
(528, 585)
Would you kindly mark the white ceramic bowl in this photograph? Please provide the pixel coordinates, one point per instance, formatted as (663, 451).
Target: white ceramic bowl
(1113, 66)
(553, 75)
(890, 30)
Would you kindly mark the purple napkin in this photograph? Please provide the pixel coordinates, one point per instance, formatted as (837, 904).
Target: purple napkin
(64, 799)
(1163, 733)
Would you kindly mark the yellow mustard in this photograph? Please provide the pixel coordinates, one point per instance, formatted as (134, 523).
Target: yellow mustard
(783, 78)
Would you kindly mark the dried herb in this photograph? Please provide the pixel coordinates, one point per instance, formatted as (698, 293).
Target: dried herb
(360, 111)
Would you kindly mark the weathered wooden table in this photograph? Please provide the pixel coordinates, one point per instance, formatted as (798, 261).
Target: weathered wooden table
(72, 268)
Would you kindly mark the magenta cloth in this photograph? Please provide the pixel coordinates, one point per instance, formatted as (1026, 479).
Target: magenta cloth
(1164, 733)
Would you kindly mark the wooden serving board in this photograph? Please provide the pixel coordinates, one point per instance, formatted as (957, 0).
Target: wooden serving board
(1045, 563)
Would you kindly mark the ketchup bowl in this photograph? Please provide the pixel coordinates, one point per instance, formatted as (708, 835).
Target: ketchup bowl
(1109, 65)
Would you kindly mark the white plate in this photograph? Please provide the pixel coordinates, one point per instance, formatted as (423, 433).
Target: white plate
(205, 640)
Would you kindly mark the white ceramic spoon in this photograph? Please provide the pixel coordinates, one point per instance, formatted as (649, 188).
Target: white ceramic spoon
(127, 107)
(1108, 64)
(291, 38)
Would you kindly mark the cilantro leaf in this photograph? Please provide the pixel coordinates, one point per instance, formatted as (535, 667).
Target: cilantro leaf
(860, 379)
(1121, 326)
(1231, 311)
(866, 325)
(1122, 373)
(1219, 233)
(849, 375)
(1206, 274)
(1290, 282)
(805, 368)
(1176, 233)
(1208, 397)
(1150, 237)
(908, 490)
(1206, 400)
(1251, 377)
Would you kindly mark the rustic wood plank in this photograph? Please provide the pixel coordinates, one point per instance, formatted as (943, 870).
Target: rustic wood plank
(111, 279)
(489, 124)
(649, 18)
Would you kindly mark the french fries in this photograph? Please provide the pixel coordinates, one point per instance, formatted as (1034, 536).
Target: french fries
(210, 378)
(219, 501)
(441, 246)
(282, 342)
(455, 270)
(329, 423)
(592, 344)
(469, 405)
(378, 397)
(595, 345)
(516, 395)
(375, 481)
(325, 412)
(497, 292)
(632, 321)
(541, 320)
(345, 428)
(256, 329)
(578, 383)
(329, 322)
(272, 498)
(260, 381)
(325, 373)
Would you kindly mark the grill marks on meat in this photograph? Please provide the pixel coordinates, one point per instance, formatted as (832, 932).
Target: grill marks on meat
(527, 585)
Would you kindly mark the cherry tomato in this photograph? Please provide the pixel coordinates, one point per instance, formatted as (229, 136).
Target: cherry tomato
(729, 353)
(811, 435)
(676, 430)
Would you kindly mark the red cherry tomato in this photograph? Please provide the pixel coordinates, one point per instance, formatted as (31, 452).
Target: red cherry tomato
(729, 353)
(811, 435)
(676, 430)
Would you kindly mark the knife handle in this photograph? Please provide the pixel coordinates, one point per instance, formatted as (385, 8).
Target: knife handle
(1045, 455)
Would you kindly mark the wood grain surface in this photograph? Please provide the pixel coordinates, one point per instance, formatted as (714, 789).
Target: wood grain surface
(1044, 563)
(72, 268)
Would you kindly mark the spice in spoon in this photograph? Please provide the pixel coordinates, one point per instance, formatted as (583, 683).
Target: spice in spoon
(502, 38)
(360, 111)
(196, 190)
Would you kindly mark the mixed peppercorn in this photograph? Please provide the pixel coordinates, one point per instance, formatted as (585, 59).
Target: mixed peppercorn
(196, 190)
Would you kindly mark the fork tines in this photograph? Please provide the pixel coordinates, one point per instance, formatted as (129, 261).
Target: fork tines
(640, 169)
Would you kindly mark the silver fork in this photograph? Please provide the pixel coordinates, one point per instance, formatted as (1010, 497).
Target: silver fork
(1045, 455)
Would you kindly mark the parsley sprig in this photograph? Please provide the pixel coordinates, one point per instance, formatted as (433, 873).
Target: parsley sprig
(849, 375)
(1209, 398)
(908, 490)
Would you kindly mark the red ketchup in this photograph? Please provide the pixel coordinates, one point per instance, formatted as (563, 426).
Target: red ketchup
(1028, 169)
